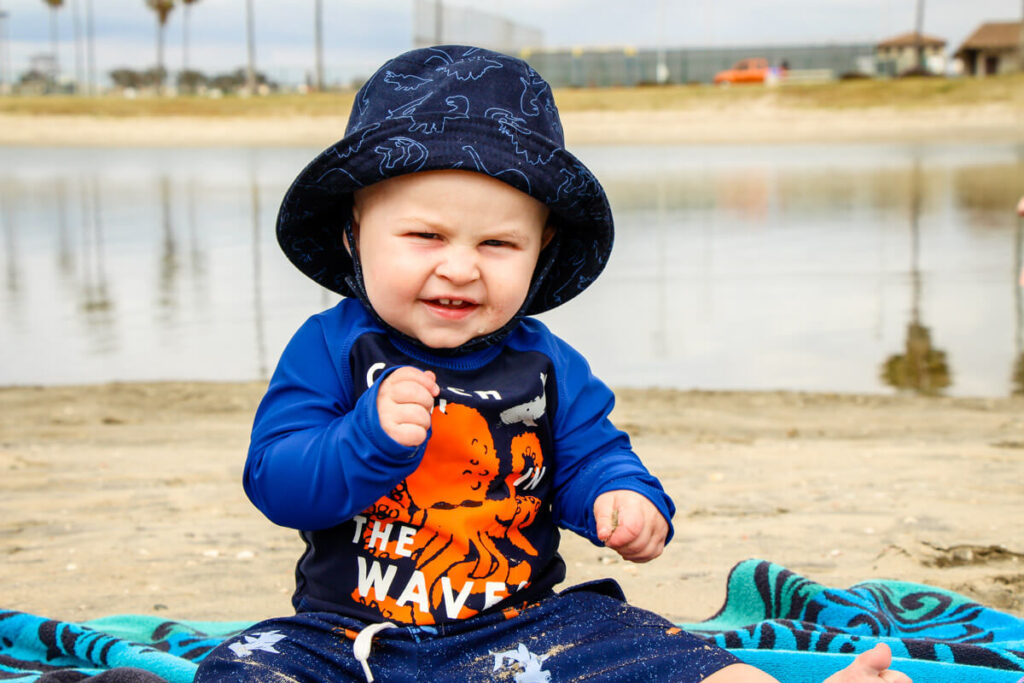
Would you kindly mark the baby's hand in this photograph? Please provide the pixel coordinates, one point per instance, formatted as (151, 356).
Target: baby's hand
(630, 525)
(404, 403)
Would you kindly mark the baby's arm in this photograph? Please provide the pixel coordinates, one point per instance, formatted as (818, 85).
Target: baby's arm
(630, 524)
(318, 455)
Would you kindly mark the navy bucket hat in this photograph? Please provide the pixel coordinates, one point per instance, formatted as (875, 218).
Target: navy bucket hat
(451, 107)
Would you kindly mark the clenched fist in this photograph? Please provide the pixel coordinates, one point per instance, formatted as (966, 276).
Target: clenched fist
(404, 403)
(630, 525)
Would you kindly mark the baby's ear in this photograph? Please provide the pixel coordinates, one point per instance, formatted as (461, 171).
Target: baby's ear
(549, 234)
(354, 222)
(344, 238)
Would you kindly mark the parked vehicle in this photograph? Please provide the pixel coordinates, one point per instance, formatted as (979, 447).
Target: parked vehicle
(750, 70)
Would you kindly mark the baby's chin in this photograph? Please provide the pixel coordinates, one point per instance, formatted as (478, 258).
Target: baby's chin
(447, 342)
(447, 339)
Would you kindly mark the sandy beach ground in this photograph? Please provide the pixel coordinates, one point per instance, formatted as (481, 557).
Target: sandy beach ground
(758, 120)
(126, 498)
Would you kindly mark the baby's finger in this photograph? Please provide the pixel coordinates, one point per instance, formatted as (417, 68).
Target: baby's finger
(411, 391)
(629, 526)
(408, 435)
(605, 516)
(410, 414)
(645, 552)
(425, 378)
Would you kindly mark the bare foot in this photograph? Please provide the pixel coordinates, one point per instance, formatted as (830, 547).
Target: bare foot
(870, 667)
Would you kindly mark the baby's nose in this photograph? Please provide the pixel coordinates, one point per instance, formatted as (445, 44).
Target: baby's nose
(459, 265)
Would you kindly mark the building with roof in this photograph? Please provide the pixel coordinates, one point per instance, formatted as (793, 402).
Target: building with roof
(899, 54)
(993, 48)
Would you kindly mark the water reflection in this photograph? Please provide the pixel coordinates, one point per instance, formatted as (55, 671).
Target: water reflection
(749, 268)
(257, 283)
(921, 368)
(1018, 308)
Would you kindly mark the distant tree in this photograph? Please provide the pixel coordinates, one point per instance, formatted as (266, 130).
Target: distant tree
(190, 80)
(163, 10)
(54, 6)
(185, 66)
(33, 82)
(126, 78)
(154, 78)
(238, 80)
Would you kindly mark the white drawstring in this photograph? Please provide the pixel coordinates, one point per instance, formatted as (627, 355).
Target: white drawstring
(363, 643)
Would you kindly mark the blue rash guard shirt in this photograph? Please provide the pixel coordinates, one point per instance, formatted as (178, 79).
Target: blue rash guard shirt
(520, 444)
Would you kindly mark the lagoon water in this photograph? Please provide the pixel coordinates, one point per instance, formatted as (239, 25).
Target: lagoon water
(847, 268)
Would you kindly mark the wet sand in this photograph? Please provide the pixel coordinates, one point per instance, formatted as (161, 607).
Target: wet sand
(126, 498)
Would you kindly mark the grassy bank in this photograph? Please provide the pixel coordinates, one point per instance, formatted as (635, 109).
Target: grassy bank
(904, 93)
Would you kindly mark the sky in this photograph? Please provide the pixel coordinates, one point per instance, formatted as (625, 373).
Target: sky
(361, 34)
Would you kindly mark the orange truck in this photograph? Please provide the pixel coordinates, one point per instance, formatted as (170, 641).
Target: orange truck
(751, 70)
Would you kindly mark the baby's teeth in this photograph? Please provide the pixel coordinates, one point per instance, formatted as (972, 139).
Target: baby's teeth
(445, 302)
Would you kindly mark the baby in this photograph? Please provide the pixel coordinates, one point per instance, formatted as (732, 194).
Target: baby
(427, 436)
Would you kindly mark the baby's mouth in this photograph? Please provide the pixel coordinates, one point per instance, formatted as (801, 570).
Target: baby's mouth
(454, 304)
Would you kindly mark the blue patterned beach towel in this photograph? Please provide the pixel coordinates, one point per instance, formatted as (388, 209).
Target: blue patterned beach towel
(801, 631)
(32, 646)
(795, 629)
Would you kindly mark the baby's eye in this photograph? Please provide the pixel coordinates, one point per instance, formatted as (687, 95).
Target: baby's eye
(425, 235)
(497, 243)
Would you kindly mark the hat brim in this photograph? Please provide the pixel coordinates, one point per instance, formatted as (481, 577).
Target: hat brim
(316, 207)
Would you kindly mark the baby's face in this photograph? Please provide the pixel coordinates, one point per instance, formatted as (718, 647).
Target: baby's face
(447, 256)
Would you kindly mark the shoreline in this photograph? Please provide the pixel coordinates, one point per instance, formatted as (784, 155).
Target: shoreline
(127, 498)
(758, 121)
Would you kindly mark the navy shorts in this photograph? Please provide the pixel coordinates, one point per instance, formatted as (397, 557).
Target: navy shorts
(586, 633)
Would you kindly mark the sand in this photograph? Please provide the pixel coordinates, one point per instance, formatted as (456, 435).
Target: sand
(758, 120)
(126, 498)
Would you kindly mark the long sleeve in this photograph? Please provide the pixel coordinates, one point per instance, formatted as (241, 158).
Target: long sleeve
(317, 457)
(594, 456)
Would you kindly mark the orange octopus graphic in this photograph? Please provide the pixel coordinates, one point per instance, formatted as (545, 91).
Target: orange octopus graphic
(463, 511)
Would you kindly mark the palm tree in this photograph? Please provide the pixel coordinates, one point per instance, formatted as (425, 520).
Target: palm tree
(163, 9)
(90, 52)
(76, 21)
(184, 34)
(54, 6)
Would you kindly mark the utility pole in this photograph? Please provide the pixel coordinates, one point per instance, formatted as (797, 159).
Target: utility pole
(5, 62)
(661, 70)
(90, 48)
(438, 22)
(919, 36)
(250, 39)
(1020, 54)
(76, 24)
(318, 28)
